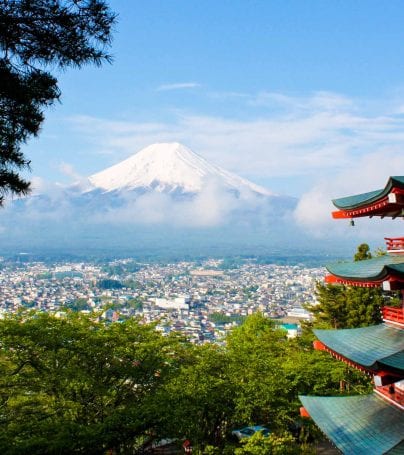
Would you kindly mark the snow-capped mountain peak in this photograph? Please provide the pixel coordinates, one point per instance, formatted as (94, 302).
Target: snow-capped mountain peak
(166, 167)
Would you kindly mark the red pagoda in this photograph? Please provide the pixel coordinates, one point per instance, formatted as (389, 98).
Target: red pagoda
(368, 424)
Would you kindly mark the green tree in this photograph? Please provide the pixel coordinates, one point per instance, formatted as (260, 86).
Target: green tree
(342, 307)
(79, 305)
(221, 318)
(307, 371)
(136, 303)
(198, 401)
(36, 35)
(108, 283)
(268, 372)
(331, 310)
(258, 444)
(363, 253)
(255, 351)
(72, 385)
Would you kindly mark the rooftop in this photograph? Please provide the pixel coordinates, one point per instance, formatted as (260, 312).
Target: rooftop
(385, 202)
(375, 269)
(360, 425)
(375, 347)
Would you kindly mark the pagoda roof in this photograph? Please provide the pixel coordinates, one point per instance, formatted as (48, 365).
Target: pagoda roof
(377, 269)
(360, 425)
(397, 450)
(373, 203)
(374, 348)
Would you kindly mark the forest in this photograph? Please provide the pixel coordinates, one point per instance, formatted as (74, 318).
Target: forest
(72, 384)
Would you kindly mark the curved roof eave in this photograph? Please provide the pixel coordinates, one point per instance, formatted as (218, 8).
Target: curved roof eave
(360, 425)
(369, 347)
(375, 269)
(358, 200)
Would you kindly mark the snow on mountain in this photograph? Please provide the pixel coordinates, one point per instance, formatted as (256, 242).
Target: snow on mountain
(154, 199)
(169, 168)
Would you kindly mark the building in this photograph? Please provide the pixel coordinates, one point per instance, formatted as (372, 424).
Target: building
(368, 424)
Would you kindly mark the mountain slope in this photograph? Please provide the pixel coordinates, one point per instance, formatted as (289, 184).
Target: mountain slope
(169, 168)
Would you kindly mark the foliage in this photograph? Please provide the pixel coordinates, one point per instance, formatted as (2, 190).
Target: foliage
(136, 304)
(258, 444)
(121, 269)
(131, 284)
(199, 398)
(72, 385)
(36, 35)
(44, 276)
(221, 318)
(256, 349)
(268, 372)
(342, 307)
(380, 252)
(254, 379)
(108, 283)
(363, 252)
(80, 304)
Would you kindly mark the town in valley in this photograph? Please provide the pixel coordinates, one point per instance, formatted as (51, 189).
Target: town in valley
(201, 299)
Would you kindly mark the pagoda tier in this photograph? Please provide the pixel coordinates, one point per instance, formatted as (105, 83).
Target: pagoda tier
(360, 425)
(386, 271)
(395, 245)
(388, 202)
(378, 349)
(368, 424)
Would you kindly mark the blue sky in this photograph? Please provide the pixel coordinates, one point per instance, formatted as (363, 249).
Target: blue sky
(305, 97)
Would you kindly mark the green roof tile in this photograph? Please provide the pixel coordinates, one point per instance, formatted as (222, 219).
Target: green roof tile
(375, 269)
(397, 450)
(373, 347)
(358, 425)
(353, 202)
(395, 361)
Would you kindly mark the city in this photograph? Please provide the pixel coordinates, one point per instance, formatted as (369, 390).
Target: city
(202, 300)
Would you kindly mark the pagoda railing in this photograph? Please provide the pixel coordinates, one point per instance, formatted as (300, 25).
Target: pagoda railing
(393, 314)
(395, 245)
(392, 393)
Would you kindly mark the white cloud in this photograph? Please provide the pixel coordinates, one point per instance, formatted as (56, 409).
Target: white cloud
(318, 101)
(213, 206)
(301, 143)
(335, 145)
(68, 170)
(38, 185)
(177, 86)
(79, 181)
(368, 172)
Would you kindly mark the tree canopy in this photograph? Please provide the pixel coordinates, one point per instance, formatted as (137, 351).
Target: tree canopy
(344, 307)
(36, 35)
(74, 385)
(363, 252)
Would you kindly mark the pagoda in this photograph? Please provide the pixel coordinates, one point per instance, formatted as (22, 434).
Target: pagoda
(368, 424)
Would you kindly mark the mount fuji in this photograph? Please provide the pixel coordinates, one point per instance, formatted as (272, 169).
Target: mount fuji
(164, 196)
(170, 168)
